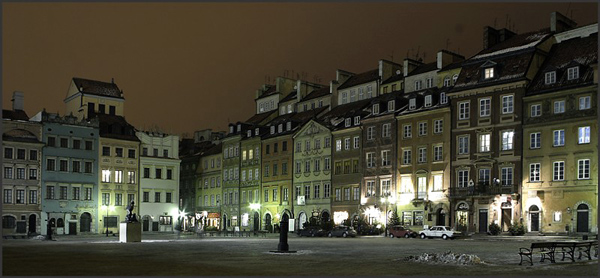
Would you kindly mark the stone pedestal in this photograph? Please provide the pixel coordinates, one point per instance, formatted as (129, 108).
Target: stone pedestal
(130, 232)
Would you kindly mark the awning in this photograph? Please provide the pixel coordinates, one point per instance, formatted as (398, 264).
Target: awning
(213, 215)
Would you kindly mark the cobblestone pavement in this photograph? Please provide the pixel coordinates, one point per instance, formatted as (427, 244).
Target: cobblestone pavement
(169, 255)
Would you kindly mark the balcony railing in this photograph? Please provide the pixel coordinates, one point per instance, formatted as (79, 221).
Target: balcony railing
(486, 190)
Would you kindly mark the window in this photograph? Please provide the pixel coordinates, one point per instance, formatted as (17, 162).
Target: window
(307, 192)
(422, 128)
(119, 152)
(406, 156)
(275, 195)
(169, 174)
(326, 190)
(585, 103)
(507, 176)
(428, 101)
(356, 120)
(550, 77)
(158, 173)
(21, 154)
(447, 81)
(438, 126)
(50, 192)
(407, 131)
(485, 107)
(418, 85)
(536, 110)
(327, 162)
(165, 220)
(105, 175)
(105, 151)
(346, 143)
(489, 73)
(463, 110)
(338, 194)
(21, 173)
(375, 109)
(8, 153)
(8, 172)
(437, 182)
(87, 167)
(429, 83)
(559, 138)
(51, 142)
(317, 144)
(391, 105)
(484, 142)
(76, 166)
(443, 98)
(20, 197)
(356, 194)
(385, 158)
(274, 169)
(584, 135)
(437, 153)
(463, 144)
(64, 165)
(118, 199)
(356, 142)
(157, 197)
(412, 104)
(131, 153)
(573, 73)
(146, 197)
(298, 167)
(33, 197)
(406, 185)
(369, 91)
(63, 192)
(88, 145)
(559, 106)
(385, 130)
(317, 165)
(559, 171)
(422, 155)
(276, 147)
(507, 104)
(370, 160)
(147, 173)
(507, 140)
(421, 187)
(535, 140)
(484, 176)
(64, 142)
(534, 172)
(307, 166)
(348, 122)
(370, 188)
(88, 194)
(338, 145)
(285, 194)
(583, 169)
(370, 133)
(463, 178)
(317, 189)
(7, 197)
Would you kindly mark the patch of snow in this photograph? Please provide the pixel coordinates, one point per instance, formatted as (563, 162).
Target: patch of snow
(40, 237)
(445, 258)
(299, 252)
(507, 50)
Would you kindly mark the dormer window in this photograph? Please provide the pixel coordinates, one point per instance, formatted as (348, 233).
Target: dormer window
(454, 78)
(488, 73)
(239, 128)
(230, 129)
(391, 105)
(357, 120)
(249, 133)
(447, 81)
(348, 122)
(375, 109)
(256, 131)
(288, 126)
(282, 110)
(443, 98)
(280, 128)
(427, 101)
(418, 85)
(273, 129)
(572, 73)
(550, 77)
(412, 104)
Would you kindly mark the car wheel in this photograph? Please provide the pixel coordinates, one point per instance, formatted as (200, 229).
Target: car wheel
(423, 236)
(345, 235)
(391, 236)
(445, 237)
(312, 234)
(330, 235)
(406, 235)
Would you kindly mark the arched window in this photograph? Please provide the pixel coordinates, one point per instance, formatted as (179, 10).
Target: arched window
(9, 222)
(582, 207)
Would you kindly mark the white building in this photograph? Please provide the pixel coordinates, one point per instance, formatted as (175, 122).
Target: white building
(159, 182)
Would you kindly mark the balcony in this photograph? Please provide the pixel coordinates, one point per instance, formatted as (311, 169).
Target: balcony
(482, 190)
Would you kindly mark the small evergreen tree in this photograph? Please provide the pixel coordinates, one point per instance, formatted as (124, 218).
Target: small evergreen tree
(394, 219)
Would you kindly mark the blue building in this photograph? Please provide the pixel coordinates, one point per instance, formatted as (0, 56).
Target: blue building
(69, 174)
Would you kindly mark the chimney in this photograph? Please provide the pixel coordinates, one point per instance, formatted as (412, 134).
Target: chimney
(18, 101)
(409, 65)
(112, 80)
(560, 23)
(490, 37)
(341, 76)
(445, 57)
(387, 69)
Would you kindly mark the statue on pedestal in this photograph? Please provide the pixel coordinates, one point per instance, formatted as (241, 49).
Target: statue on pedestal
(130, 217)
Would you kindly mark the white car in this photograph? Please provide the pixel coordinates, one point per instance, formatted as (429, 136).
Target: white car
(438, 231)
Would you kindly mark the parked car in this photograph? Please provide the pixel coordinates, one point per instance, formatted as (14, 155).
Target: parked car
(311, 232)
(400, 231)
(439, 231)
(343, 231)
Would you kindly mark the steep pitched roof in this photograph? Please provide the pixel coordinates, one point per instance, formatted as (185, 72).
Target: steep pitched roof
(393, 78)
(20, 135)
(423, 69)
(14, 115)
(99, 88)
(581, 52)
(515, 43)
(333, 118)
(317, 93)
(271, 89)
(290, 96)
(113, 126)
(258, 118)
(360, 78)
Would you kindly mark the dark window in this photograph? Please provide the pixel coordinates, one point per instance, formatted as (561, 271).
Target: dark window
(51, 165)
(169, 174)
(91, 109)
(51, 141)
(76, 166)
(131, 153)
(146, 197)
(166, 153)
(88, 145)
(284, 146)
(8, 153)
(20, 153)
(157, 197)
(275, 147)
(110, 222)
(33, 154)
(101, 108)
(119, 152)
(106, 151)
(168, 197)
(268, 149)
(64, 142)
(147, 173)
(111, 110)
(158, 174)
(88, 167)
(76, 144)
(9, 222)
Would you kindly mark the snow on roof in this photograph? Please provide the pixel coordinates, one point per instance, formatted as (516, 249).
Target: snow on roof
(511, 49)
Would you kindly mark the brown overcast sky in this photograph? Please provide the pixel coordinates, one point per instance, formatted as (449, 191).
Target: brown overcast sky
(191, 66)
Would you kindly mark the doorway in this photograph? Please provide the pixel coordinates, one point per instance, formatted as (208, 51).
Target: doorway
(583, 215)
(72, 228)
(440, 218)
(85, 222)
(256, 221)
(506, 216)
(268, 223)
(483, 220)
(145, 223)
(534, 216)
(32, 224)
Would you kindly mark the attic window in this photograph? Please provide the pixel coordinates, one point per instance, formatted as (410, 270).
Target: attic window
(412, 104)
(573, 73)
(348, 122)
(256, 131)
(288, 125)
(230, 129)
(273, 129)
(427, 101)
(239, 128)
(488, 73)
(249, 133)
(550, 77)
(280, 128)
(447, 81)
(375, 109)
(357, 120)
(391, 105)
(454, 78)
(443, 98)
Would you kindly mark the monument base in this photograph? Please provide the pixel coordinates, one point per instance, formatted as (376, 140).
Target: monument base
(130, 232)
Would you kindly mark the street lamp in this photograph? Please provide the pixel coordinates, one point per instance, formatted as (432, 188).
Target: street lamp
(107, 208)
(386, 201)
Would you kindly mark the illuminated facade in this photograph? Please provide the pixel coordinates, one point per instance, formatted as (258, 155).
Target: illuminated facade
(209, 189)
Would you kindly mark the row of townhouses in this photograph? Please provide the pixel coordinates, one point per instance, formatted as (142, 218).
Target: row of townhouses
(77, 173)
(506, 136)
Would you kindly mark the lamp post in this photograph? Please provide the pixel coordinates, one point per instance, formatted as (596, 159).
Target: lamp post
(387, 200)
(107, 208)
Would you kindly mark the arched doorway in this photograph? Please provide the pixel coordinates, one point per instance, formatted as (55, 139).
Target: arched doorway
(583, 215)
(268, 223)
(9, 222)
(85, 222)
(534, 218)
(325, 217)
(301, 220)
(60, 226)
(32, 224)
(256, 221)
(440, 219)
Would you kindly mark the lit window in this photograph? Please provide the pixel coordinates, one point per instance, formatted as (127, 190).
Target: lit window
(105, 175)
(507, 104)
(584, 135)
(536, 110)
(583, 169)
(484, 142)
(559, 106)
(559, 138)
(534, 172)
(485, 107)
(585, 103)
(489, 73)
(507, 140)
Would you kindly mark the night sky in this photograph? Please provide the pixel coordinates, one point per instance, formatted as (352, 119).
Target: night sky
(190, 66)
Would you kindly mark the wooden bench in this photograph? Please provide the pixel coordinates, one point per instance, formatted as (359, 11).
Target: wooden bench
(545, 249)
(568, 249)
